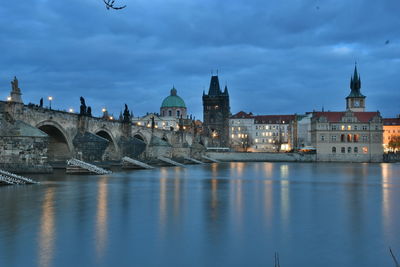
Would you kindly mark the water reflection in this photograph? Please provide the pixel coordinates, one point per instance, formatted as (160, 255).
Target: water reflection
(47, 230)
(285, 193)
(386, 197)
(101, 219)
(163, 200)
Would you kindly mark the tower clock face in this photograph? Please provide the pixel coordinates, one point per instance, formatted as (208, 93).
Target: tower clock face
(357, 103)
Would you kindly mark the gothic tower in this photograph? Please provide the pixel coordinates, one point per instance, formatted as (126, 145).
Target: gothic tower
(355, 101)
(216, 112)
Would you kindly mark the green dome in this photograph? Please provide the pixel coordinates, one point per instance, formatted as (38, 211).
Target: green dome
(173, 101)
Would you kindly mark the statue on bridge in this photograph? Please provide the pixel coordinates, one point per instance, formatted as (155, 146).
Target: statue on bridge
(41, 102)
(127, 115)
(15, 91)
(83, 107)
(89, 111)
(153, 124)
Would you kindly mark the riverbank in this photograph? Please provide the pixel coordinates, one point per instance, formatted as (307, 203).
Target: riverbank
(261, 157)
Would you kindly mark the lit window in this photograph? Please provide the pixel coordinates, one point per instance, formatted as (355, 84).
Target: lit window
(233, 136)
(365, 149)
(349, 127)
(342, 127)
(256, 140)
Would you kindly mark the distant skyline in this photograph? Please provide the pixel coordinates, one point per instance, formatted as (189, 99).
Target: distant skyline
(277, 57)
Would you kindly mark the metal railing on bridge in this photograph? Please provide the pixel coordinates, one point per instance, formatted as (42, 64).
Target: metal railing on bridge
(87, 166)
(14, 179)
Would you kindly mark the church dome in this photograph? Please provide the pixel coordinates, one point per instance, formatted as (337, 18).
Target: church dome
(173, 101)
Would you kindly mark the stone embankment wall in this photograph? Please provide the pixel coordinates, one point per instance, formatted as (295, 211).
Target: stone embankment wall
(391, 157)
(260, 156)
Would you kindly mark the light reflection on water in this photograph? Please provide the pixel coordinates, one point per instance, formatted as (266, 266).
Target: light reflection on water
(231, 214)
(101, 219)
(47, 229)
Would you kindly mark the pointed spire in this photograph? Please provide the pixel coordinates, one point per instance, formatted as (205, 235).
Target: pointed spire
(226, 90)
(214, 89)
(355, 84)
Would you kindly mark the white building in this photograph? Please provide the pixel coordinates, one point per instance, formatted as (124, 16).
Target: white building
(261, 133)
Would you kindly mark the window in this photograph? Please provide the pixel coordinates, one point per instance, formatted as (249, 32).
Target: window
(356, 137)
(178, 113)
(365, 138)
(365, 150)
(343, 150)
(334, 127)
(365, 127)
(322, 137)
(169, 113)
(343, 128)
(355, 127)
(376, 127)
(256, 133)
(342, 138)
(333, 138)
(349, 150)
(349, 127)
(333, 149)
(349, 138)
(355, 149)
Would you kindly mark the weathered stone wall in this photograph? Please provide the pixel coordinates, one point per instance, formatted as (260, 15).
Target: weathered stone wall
(20, 154)
(261, 156)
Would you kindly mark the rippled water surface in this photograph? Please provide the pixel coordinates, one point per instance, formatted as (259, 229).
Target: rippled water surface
(228, 214)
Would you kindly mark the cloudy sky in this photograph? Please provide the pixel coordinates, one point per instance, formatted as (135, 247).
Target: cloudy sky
(277, 57)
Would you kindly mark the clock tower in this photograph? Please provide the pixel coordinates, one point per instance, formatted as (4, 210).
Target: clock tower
(355, 101)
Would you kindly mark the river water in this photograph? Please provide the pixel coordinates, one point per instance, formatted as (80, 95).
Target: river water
(226, 214)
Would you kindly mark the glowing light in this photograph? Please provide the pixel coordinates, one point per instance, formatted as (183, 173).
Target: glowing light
(50, 98)
(111, 118)
(71, 110)
(103, 110)
(9, 98)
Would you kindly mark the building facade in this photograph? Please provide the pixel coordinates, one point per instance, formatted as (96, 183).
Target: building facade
(216, 112)
(349, 136)
(391, 131)
(261, 133)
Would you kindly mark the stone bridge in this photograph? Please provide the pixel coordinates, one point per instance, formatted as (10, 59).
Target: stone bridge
(93, 139)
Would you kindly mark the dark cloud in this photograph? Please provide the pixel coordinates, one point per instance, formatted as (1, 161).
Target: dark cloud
(276, 56)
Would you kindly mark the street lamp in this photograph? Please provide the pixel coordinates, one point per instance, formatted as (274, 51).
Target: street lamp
(8, 98)
(71, 110)
(50, 99)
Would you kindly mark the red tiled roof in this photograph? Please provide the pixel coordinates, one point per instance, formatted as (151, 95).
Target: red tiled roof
(242, 115)
(273, 119)
(391, 121)
(337, 116)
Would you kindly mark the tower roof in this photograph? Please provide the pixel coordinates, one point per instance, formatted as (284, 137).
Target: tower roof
(215, 89)
(355, 85)
(173, 100)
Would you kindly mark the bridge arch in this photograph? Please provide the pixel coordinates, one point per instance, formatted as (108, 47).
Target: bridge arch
(112, 149)
(60, 146)
(140, 136)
